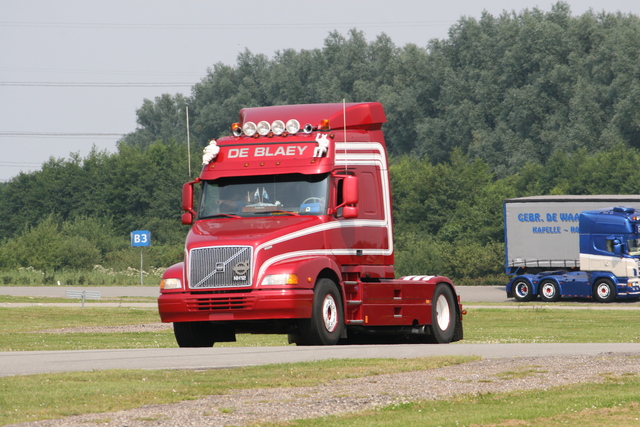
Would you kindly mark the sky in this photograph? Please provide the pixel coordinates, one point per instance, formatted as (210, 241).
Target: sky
(73, 73)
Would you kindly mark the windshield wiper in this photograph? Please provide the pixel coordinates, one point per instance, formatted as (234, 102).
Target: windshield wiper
(222, 215)
(280, 212)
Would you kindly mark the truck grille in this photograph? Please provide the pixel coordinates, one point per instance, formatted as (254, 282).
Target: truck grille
(220, 267)
(213, 303)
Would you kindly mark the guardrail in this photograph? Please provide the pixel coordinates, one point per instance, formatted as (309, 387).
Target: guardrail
(84, 295)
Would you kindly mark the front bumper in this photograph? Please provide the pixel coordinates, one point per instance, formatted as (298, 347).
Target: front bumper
(255, 305)
(625, 292)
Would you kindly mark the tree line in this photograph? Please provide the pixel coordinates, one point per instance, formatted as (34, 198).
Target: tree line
(507, 89)
(519, 104)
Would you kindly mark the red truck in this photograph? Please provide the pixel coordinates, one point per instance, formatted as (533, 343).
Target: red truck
(293, 234)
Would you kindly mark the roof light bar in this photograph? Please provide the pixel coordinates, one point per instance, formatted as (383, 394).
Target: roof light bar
(278, 127)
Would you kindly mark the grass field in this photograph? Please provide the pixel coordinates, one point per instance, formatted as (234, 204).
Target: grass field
(28, 398)
(615, 403)
(40, 396)
(612, 403)
(47, 300)
(44, 328)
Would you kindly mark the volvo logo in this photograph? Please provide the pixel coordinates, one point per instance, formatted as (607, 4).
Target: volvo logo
(240, 270)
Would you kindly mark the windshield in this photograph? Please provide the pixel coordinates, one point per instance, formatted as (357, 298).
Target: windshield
(291, 194)
(634, 247)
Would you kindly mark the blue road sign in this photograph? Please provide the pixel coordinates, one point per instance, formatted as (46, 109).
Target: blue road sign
(140, 238)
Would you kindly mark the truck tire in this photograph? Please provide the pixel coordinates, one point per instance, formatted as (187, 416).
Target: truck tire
(604, 291)
(327, 321)
(193, 334)
(443, 315)
(549, 291)
(522, 290)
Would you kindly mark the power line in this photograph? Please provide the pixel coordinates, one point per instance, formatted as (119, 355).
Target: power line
(95, 84)
(19, 164)
(235, 26)
(78, 135)
(165, 74)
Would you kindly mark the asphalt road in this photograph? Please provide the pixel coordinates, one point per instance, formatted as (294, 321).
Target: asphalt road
(33, 362)
(467, 293)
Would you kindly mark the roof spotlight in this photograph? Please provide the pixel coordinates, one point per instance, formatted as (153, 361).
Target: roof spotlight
(277, 127)
(308, 128)
(293, 126)
(264, 128)
(249, 128)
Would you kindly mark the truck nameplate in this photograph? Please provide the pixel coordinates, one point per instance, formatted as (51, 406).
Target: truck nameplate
(219, 267)
(288, 150)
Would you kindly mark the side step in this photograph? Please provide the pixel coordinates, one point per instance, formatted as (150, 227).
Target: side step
(353, 295)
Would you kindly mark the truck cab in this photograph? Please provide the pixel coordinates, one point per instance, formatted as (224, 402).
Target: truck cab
(293, 234)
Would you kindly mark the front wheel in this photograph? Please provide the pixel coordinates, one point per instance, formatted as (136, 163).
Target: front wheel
(443, 315)
(193, 334)
(604, 291)
(327, 322)
(202, 334)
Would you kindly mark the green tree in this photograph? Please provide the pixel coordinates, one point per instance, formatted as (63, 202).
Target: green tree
(38, 246)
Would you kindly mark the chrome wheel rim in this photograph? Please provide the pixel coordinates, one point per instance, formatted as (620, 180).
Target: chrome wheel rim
(548, 290)
(603, 291)
(522, 289)
(330, 313)
(443, 313)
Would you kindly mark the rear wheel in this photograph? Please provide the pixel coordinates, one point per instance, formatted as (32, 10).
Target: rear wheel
(443, 315)
(549, 291)
(327, 322)
(522, 290)
(604, 291)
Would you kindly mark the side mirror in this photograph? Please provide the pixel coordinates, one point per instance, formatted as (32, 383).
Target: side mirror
(349, 212)
(187, 202)
(618, 247)
(350, 190)
(350, 196)
(187, 197)
(187, 218)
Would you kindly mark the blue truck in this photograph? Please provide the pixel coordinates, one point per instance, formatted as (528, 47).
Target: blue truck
(573, 247)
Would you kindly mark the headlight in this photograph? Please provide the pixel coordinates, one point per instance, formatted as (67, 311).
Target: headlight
(280, 279)
(170, 284)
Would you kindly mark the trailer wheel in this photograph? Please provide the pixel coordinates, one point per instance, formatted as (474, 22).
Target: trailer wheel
(443, 315)
(604, 291)
(193, 334)
(549, 291)
(327, 321)
(522, 290)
